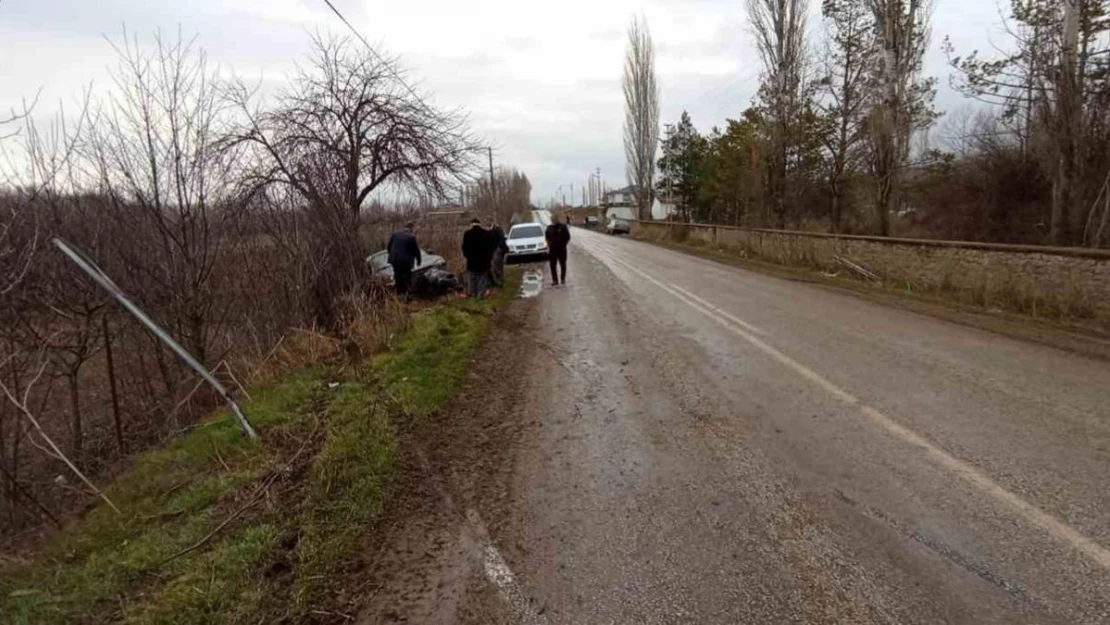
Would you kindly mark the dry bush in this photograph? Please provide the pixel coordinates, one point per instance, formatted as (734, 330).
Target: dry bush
(995, 196)
(373, 322)
(161, 188)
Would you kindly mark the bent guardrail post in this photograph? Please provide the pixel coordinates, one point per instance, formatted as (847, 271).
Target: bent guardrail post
(101, 278)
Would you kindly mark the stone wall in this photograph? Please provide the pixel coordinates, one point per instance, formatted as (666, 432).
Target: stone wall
(1042, 281)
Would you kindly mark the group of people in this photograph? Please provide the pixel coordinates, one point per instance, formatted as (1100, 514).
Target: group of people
(485, 248)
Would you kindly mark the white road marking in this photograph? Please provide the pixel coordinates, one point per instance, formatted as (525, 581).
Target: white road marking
(972, 475)
(474, 533)
(500, 575)
(740, 322)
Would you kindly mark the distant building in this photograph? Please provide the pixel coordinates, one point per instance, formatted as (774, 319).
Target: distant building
(625, 197)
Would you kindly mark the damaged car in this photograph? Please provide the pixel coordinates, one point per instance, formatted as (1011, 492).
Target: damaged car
(430, 278)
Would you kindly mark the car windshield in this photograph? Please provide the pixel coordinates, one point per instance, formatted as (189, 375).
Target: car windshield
(526, 232)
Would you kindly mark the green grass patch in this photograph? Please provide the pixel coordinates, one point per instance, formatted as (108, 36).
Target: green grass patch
(170, 498)
(349, 482)
(221, 585)
(427, 364)
(346, 489)
(272, 563)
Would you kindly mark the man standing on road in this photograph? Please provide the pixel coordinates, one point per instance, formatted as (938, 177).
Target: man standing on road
(476, 247)
(558, 238)
(404, 255)
(500, 249)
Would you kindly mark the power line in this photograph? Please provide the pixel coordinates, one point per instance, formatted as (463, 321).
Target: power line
(389, 66)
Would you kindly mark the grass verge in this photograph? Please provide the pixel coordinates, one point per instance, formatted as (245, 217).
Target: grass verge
(219, 529)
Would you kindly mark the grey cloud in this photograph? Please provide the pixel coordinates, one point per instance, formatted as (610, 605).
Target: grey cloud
(556, 128)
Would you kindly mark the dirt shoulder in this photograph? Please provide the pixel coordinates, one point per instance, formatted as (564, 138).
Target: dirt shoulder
(1073, 337)
(427, 565)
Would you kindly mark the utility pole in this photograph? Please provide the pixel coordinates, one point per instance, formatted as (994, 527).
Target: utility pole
(492, 185)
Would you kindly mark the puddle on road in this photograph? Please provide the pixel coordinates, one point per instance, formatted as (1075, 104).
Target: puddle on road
(532, 285)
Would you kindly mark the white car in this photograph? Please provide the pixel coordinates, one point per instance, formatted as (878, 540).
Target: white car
(618, 225)
(618, 218)
(526, 241)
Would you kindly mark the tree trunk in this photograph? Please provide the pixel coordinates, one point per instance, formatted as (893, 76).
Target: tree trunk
(8, 492)
(1068, 127)
(1060, 230)
(884, 199)
(75, 412)
(112, 383)
(834, 210)
(17, 489)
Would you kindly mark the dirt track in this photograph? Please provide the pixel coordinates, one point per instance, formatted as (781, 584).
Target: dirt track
(672, 440)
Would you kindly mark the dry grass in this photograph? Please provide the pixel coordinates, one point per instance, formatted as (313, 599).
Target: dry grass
(374, 323)
(1065, 301)
(217, 528)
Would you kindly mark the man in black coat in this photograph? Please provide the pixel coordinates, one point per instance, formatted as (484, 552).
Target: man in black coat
(477, 247)
(558, 238)
(404, 255)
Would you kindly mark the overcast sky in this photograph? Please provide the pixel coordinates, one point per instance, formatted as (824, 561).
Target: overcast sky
(541, 79)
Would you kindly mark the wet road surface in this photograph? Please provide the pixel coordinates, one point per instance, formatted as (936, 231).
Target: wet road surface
(717, 446)
(671, 440)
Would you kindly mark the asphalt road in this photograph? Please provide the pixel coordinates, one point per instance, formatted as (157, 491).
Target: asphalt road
(711, 445)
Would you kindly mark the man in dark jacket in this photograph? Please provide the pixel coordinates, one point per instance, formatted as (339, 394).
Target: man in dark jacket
(500, 249)
(558, 238)
(404, 255)
(478, 250)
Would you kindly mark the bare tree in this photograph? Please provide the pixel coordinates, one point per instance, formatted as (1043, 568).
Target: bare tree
(19, 232)
(641, 114)
(848, 67)
(779, 27)
(1054, 82)
(903, 102)
(512, 190)
(41, 309)
(346, 126)
(158, 156)
(19, 237)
